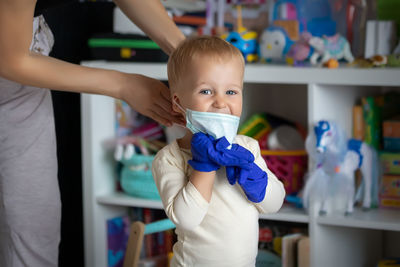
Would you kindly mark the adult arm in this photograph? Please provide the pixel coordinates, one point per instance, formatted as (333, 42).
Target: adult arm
(151, 17)
(148, 96)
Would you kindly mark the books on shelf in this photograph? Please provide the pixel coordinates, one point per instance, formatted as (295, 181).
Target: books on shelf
(160, 243)
(117, 239)
(358, 122)
(381, 121)
(372, 117)
(282, 242)
(303, 252)
(291, 249)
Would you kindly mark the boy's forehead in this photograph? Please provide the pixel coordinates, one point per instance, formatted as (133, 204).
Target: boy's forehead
(198, 61)
(202, 70)
(214, 56)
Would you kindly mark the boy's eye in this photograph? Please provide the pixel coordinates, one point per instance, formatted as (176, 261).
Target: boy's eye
(205, 92)
(231, 92)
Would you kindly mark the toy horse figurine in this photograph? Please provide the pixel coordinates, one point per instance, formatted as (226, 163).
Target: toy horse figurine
(336, 47)
(336, 159)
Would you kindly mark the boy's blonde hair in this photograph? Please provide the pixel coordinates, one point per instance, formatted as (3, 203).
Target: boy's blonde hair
(215, 47)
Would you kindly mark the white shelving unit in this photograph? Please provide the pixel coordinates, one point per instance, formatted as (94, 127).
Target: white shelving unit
(301, 94)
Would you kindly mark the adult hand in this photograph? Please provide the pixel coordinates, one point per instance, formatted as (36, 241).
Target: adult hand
(253, 181)
(149, 97)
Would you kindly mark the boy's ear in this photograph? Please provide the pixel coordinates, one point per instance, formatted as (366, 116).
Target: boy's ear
(175, 101)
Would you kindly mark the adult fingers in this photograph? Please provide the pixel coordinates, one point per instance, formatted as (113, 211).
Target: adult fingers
(160, 119)
(164, 102)
(162, 110)
(166, 93)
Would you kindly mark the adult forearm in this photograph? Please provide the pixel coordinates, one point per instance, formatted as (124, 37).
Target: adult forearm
(147, 96)
(204, 182)
(151, 17)
(47, 72)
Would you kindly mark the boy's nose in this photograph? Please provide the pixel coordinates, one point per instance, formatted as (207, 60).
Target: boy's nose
(219, 102)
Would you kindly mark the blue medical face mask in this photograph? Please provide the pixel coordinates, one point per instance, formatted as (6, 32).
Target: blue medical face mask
(215, 124)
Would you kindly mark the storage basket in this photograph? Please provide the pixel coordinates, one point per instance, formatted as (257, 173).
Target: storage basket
(288, 166)
(137, 179)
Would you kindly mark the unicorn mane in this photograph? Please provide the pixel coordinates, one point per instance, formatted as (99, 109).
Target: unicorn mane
(338, 148)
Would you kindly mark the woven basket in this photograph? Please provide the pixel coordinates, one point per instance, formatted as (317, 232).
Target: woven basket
(139, 183)
(289, 166)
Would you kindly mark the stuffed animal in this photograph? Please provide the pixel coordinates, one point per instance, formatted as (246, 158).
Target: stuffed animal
(325, 48)
(300, 50)
(274, 44)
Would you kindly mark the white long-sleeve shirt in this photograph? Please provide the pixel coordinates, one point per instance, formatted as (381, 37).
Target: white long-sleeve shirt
(222, 232)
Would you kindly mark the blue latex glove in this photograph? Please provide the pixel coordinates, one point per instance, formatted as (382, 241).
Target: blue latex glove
(202, 146)
(236, 156)
(253, 181)
(209, 154)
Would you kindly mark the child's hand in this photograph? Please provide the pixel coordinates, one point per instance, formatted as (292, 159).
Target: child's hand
(253, 181)
(209, 154)
(202, 147)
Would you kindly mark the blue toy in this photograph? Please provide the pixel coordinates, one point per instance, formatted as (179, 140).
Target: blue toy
(336, 158)
(314, 16)
(244, 40)
(274, 44)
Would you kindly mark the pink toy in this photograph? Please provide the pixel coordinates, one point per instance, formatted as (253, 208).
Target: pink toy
(299, 51)
(289, 166)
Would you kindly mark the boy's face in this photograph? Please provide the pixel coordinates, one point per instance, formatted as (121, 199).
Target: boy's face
(211, 85)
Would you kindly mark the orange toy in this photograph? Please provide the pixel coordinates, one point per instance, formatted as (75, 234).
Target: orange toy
(331, 64)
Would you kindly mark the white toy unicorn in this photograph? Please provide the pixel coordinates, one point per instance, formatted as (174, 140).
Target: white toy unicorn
(336, 159)
(336, 47)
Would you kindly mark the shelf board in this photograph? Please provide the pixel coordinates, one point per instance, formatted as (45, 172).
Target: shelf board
(121, 199)
(379, 219)
(287, 213)
(264, 73)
